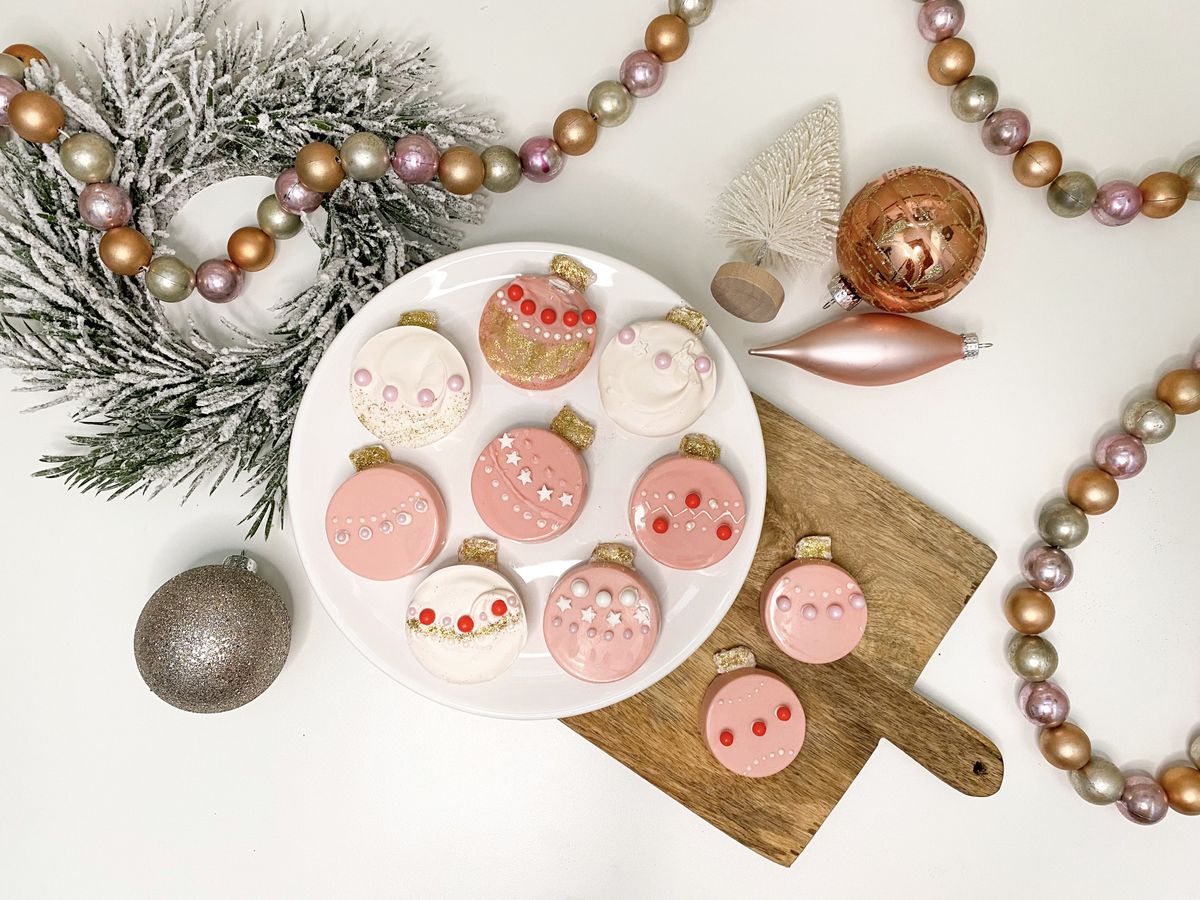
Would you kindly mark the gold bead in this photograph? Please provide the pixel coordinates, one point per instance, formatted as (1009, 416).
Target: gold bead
(318, 168)
(1037, 164)
(1180, 390)
(461, 170)
(951, 60)
(26, 53)
(667, 37)
(1065, 747)
(36, 116)
(124, 251)
(1182, 784)
(251, 249)
(1029, 611)
(575, 132)
(1093, 491)
(1163, 194)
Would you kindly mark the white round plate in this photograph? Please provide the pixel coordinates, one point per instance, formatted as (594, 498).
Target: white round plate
(372, 614)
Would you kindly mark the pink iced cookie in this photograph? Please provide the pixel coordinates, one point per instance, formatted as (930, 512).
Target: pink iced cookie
(686, 511)
(386, 521)
(537, 331)
(530, 484)
(751, 720)
(814, 610)
(602, 618)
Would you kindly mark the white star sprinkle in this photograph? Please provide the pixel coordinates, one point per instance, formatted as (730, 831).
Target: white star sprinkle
(566, 499)
(544, 493)
(613, 619)
(563, 603)
(642, 615)
(588, 615)
(513, 459)
(525, 477)
(506, 441)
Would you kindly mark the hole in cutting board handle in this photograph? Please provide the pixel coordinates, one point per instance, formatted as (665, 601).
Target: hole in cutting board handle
(980, 768)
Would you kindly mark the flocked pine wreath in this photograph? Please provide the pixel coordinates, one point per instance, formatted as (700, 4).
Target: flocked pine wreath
(190, 102)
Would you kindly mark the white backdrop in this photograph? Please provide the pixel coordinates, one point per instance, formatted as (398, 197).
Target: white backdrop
(339, 782)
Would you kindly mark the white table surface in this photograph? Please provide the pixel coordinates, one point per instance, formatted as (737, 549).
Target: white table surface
(338, 782)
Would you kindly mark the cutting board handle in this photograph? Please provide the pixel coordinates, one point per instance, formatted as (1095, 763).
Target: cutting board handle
(945, 745)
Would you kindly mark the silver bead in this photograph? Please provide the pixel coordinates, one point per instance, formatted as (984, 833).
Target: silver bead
(1032, 658)
(1150, 420)
(277, 221)
(693, 12)
(1190, 171)
(365, 156)
(501, 169)
(169, 280)
(1098, 782)
(1062, 524)
(87, 157)
(1071, 194)
(12, 67)
(974, 98)
(610, 103)
(1194, 751)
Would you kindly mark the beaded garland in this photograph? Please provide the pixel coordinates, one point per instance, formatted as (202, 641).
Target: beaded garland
(1005, 132)
(1063, 524)
(321, 167)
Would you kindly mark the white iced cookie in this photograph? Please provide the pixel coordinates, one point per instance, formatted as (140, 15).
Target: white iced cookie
(656, 376)
(409, 385)
(466, 624)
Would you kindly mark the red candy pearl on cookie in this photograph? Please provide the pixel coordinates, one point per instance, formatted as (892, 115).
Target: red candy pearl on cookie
(528, 307)
(515, 292)
(570, 318)
(724, 532)
(726, 738)
(660, 525)
(549, 316)
(692, 500)
(499, 607)
(427, 616)
(589, 317)
(783, 713)
(466, 624)
(759, 727)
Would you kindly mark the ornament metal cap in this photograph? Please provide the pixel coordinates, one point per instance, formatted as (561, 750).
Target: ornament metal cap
(577, 432)
(691, 319)
(734, 658)
(479, 551)
(241, 561)
(815, 546)
(699, 446)
(618, 554)
(572, 272)
(841, 293)
(421, 318)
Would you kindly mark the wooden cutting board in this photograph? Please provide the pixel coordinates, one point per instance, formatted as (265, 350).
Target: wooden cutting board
(918, 570)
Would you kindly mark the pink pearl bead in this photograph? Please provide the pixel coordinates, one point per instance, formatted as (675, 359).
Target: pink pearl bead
(1143, 801)
(219, 280)
(1047, 568)
(1120, 455)
(455, 383)
(1117, 203)
(1005, 131)
(425, 397)
(663, 360)
(362, 377)
(293, 196)
(105, 205)
(835, 611)
(940, 19)
(808, 611)
(703, 365)
(541, 160)
(415, 159)
(9, 88)
(1044, 703)
(784, 604)
(390, 394)
(642, 73)
(626, 335)
(858, 601)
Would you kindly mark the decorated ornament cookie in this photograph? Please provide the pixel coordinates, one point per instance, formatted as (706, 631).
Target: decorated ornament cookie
(538, 332)
(530, 484)
(409, 385)
(814, 610)
(466, 624)
(656, 376)
(751, 720)
(386, 520)
(686, 511)
(602, 618)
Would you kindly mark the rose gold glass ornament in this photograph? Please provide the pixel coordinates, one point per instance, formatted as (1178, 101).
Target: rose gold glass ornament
(908, 241)
(874, 349)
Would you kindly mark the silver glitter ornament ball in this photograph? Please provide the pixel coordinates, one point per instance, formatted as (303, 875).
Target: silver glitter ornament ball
(212, 638)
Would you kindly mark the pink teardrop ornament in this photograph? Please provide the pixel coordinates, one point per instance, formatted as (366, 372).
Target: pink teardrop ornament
(874, 349)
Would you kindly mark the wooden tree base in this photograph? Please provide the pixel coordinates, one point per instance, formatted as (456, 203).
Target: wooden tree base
(747, 291)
